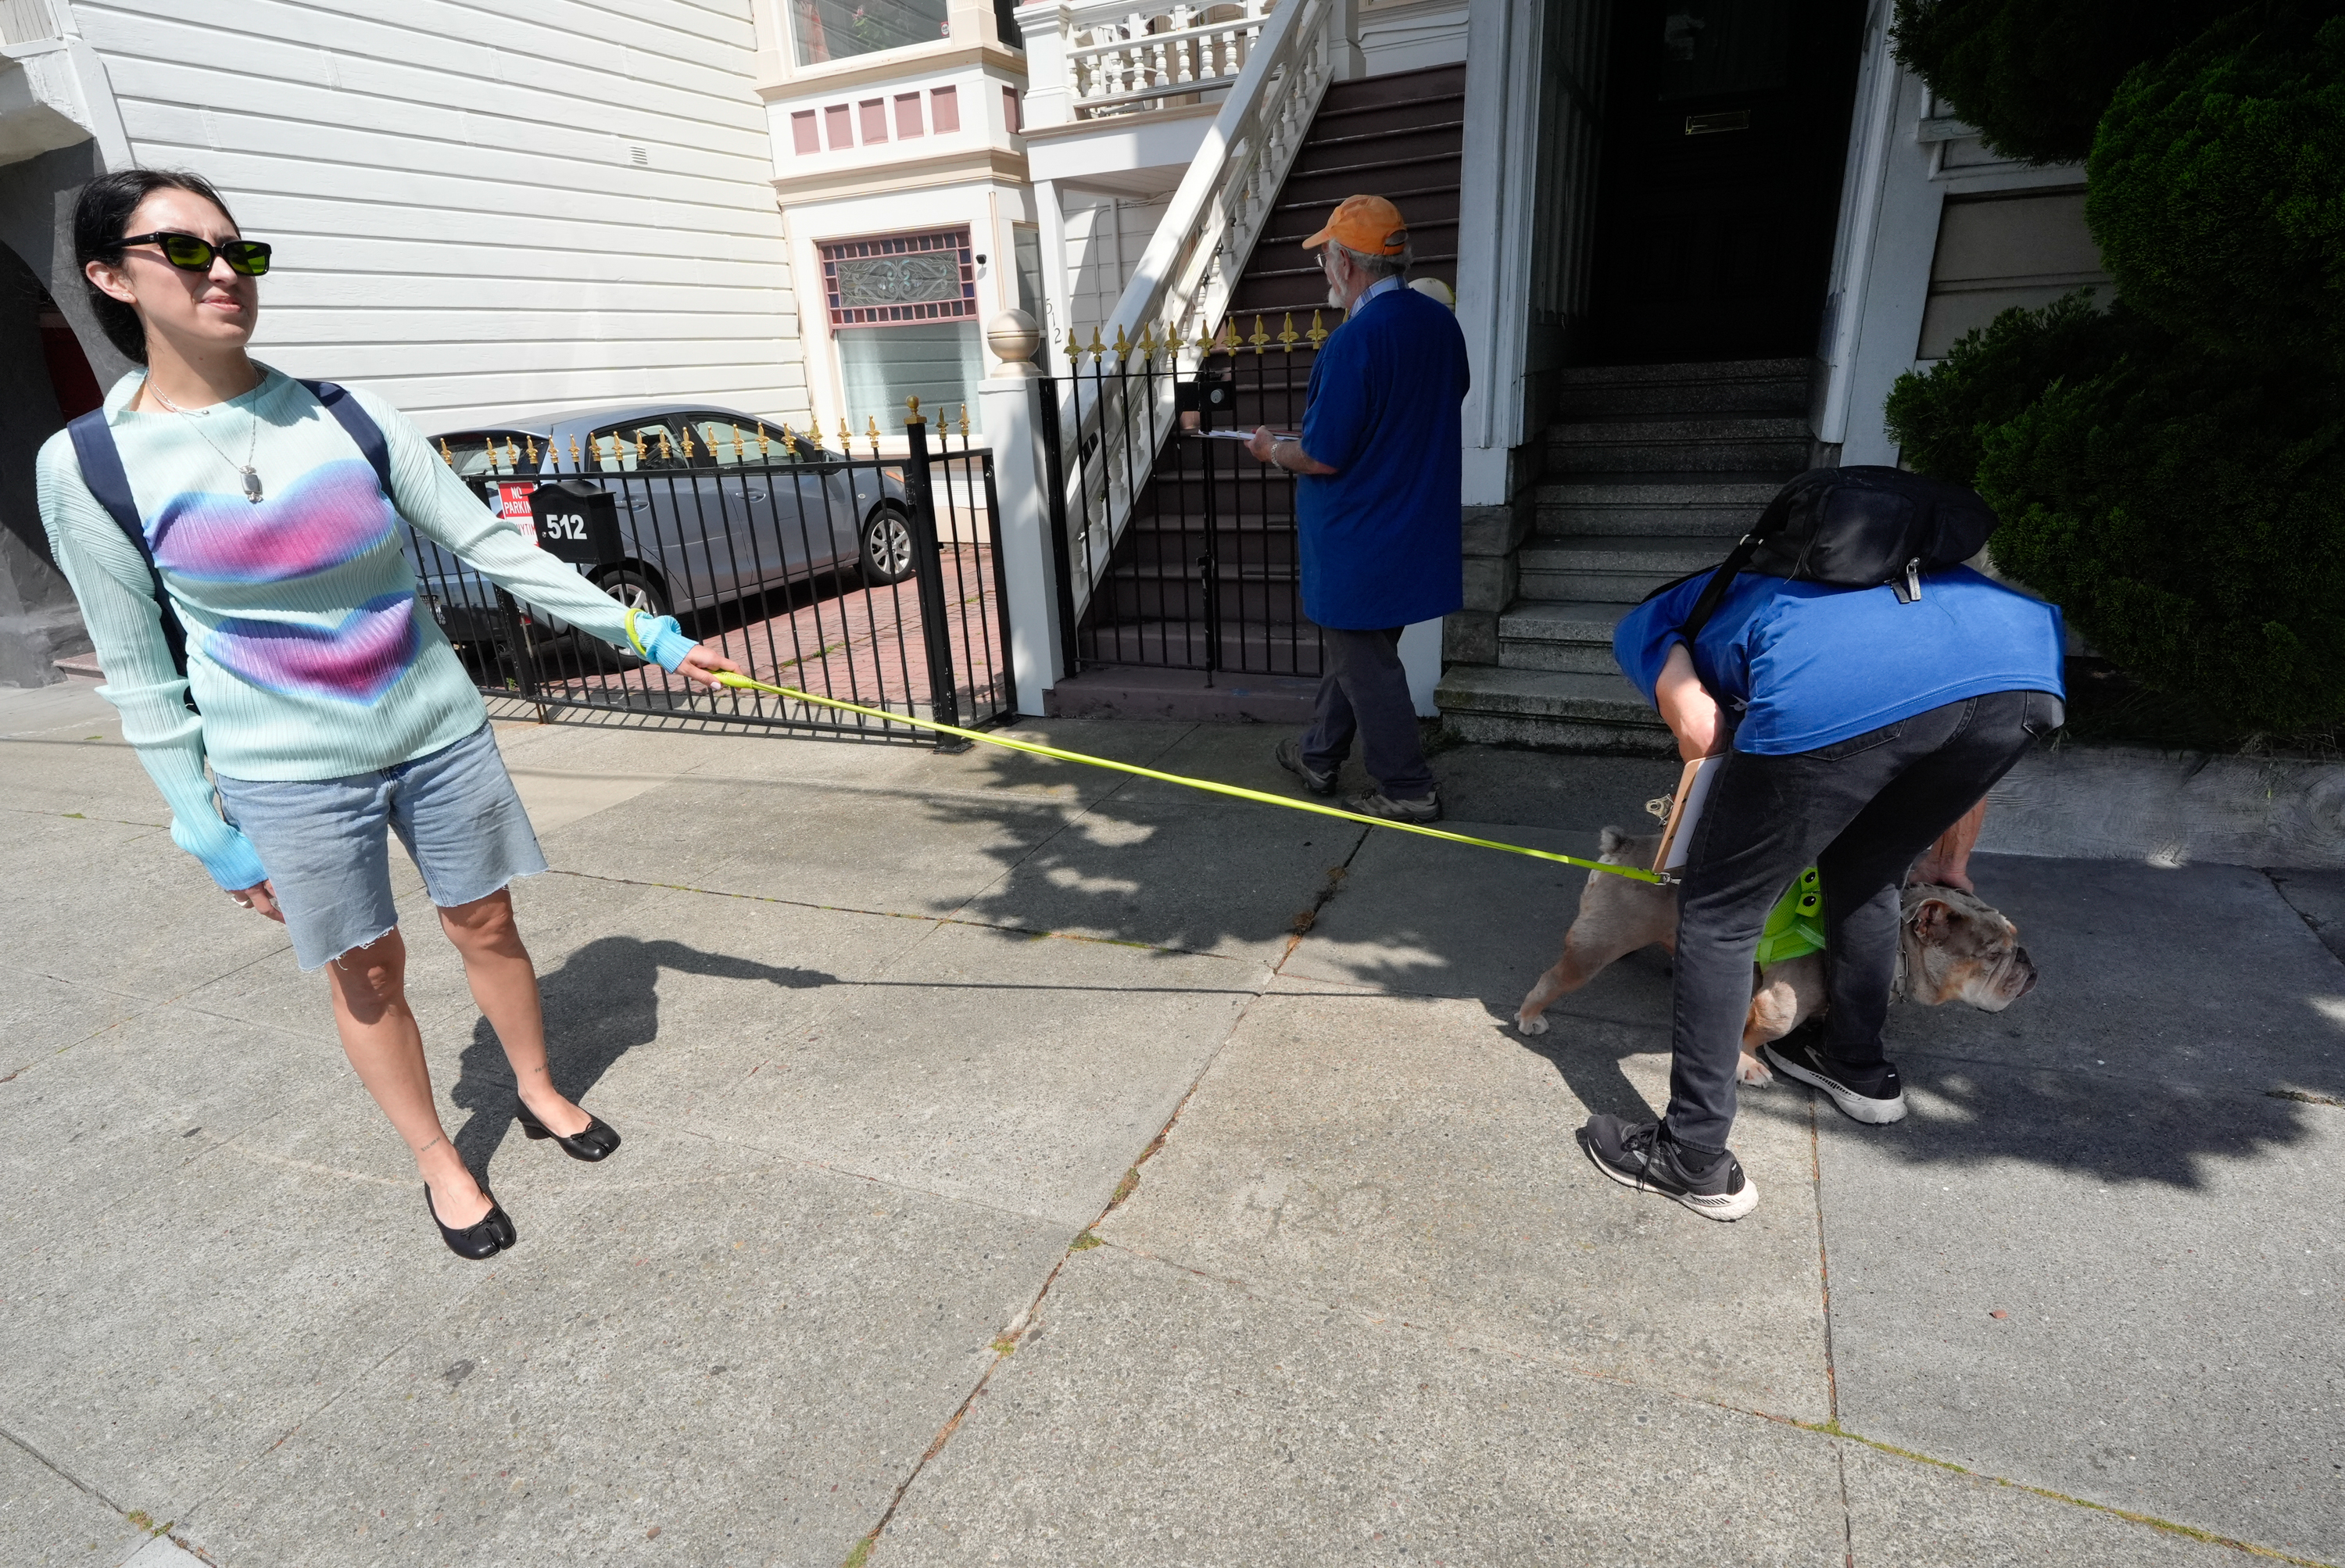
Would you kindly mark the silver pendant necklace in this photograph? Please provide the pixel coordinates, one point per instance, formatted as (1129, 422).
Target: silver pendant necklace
(252, 477)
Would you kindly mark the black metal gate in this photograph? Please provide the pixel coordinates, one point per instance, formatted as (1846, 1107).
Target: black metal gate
(1186, 545)
(873, 580)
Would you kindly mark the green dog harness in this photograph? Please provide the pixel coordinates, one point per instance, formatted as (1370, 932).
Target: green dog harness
(1795, 927)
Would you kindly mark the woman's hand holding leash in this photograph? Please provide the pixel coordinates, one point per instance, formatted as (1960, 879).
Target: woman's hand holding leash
(701, 664)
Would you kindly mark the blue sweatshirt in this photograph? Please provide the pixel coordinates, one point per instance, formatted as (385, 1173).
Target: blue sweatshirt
(1809, 665)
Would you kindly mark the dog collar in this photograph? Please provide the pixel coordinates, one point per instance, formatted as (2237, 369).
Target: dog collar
(1795, 926)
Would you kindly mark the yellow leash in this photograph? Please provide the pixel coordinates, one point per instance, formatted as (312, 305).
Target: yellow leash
(743, 683)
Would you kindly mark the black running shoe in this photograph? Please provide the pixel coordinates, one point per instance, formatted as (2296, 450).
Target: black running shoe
(1634, 1154)
(1870, 1094)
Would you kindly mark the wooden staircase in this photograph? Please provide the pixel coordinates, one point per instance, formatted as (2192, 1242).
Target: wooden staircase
(1651, 472)
(1399, 136)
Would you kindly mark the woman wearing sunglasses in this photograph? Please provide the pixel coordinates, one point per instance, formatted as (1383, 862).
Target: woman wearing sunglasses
(329, 712)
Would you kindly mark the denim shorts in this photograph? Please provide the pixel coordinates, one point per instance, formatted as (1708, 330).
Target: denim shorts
(324, 844)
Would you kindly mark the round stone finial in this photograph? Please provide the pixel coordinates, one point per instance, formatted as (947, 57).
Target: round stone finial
(1013, 336)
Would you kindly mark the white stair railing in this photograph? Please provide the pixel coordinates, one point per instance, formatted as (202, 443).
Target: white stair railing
(1180, 291)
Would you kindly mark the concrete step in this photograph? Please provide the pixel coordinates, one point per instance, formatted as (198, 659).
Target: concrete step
(1570, 634)
(1555, 709)
(1694, 506)
(1725, 443)
(1741, 386)
(1612, 570)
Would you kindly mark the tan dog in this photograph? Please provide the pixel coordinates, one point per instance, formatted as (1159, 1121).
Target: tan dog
(1952, 946)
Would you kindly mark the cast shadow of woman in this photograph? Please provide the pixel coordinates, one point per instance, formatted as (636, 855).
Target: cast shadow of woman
(599, 1005)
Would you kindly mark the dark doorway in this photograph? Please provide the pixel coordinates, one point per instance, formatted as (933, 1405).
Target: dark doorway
(1726, 126)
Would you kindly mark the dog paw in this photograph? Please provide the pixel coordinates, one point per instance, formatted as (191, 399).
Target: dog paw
(1753, 1071)
(1534, 1024)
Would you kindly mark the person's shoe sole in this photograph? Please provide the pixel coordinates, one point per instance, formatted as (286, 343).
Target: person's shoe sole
(1724, 1206)
(1856, 1108)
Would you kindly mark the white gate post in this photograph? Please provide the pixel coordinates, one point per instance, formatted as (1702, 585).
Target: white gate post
(1011, 405)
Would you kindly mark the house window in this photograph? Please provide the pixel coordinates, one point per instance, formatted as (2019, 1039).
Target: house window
(804, 136)
(903, 316)
(944, 109)
(838, 122)
(908, 115)
(841, 29)
(875, 120)
(1010, 118)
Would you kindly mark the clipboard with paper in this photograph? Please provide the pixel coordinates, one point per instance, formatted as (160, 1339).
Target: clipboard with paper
(1685, 811)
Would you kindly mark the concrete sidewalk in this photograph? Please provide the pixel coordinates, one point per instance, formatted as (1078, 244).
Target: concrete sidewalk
(1028, 1163)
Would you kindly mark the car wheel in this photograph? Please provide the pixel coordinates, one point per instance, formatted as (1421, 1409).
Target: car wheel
(637, 590)
(887, 546)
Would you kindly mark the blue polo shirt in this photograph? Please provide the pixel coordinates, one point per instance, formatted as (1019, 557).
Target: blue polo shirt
(1810, 665)
(1380, 536)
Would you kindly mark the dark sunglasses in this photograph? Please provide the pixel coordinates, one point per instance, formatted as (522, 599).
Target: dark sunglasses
(249, 257)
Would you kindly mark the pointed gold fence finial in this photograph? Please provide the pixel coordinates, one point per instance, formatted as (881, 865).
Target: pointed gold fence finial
(964, 425)
(740, 447)
(1098, 351)
(1287, 336)
(846, 437)
(1147, 342)
(1074, 347)
(573, 455)
(532, 451)
(687, 441)
(639, 446)
(446, 456)
(1123, 349)
(1261, 338)
(1318, 335)
(668, 452)
(873, 437)
(512, 455)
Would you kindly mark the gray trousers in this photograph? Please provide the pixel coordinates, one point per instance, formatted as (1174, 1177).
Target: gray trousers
(1860, 810)
(1366, 693)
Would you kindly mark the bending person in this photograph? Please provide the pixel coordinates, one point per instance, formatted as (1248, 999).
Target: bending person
(331, 712)
(1867, 727)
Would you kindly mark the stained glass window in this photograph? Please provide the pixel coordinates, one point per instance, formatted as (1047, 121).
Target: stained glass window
(894, 279)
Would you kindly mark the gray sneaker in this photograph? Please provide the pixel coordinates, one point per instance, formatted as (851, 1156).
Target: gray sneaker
(1376, 803)
(1289, 756)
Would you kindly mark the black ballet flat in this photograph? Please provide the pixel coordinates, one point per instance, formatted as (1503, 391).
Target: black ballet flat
(597, 1142)
(484, 1237)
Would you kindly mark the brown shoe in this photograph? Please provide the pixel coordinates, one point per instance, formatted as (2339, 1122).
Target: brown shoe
(1376, 803)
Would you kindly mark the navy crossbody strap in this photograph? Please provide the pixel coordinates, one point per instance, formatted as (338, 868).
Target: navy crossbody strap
(101, 470)
(363, 429)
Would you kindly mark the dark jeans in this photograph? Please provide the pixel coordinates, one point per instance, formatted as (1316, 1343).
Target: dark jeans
(1366, 692)
(1860, 810)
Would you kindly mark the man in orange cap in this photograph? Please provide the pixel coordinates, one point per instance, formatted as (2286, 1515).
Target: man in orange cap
(1376, 510)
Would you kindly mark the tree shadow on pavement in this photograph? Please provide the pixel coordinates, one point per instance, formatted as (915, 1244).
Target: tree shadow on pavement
(603, 1003)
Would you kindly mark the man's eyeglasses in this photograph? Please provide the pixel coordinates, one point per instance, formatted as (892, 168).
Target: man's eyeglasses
(249, 257)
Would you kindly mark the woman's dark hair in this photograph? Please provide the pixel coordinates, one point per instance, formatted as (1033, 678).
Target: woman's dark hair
(101, 217)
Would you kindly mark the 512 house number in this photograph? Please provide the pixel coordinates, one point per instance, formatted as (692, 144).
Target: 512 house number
(564, 525)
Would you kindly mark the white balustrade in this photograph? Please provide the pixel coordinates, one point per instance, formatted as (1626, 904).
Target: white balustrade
(1117, 60)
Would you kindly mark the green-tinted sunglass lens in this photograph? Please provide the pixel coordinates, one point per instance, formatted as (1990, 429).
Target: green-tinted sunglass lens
(248, 257)
(187, 251)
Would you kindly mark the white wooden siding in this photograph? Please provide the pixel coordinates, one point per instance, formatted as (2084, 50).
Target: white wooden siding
(452, 189)
(1105, 241)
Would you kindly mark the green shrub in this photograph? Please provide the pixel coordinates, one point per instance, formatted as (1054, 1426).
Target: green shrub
(2188, 519)
(2216, 186)
(2033, 76)
(1986, 380)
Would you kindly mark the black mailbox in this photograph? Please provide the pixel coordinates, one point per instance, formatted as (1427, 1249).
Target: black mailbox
(1209, 395)
(576, 522)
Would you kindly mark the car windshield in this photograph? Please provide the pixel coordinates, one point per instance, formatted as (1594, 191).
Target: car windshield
(479, 452)
(695, 441)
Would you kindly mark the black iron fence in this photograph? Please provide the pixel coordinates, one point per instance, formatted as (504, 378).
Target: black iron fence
(874, 580)
(1181, 547)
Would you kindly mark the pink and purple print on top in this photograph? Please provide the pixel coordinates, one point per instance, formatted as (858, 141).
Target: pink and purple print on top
(356, 661)
(334, 514)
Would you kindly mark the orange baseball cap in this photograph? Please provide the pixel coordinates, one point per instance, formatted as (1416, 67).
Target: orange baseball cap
(1367, 224)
